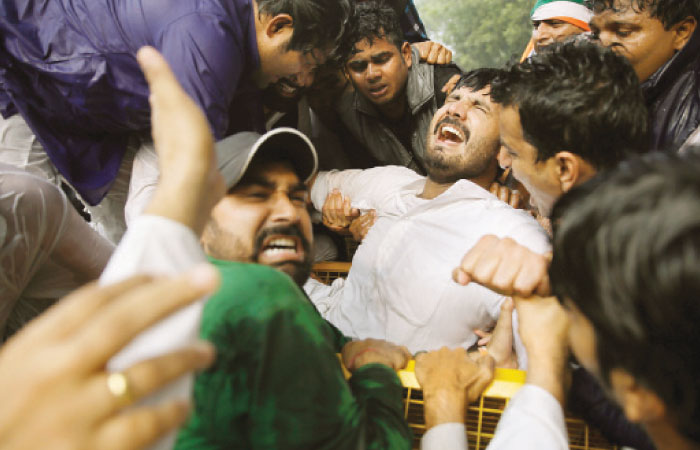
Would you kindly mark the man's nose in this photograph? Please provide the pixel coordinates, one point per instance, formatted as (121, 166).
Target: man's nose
(605, 38)
(373, 72)
(457, 109)
(283, 209)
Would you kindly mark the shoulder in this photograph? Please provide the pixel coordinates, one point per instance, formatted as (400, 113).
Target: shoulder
(247, 287)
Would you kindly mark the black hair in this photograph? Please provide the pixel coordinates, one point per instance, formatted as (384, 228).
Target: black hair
(579, 97)
(669, 12)
(627, 255)
(375, 20)
(318, 24)
(478, 79)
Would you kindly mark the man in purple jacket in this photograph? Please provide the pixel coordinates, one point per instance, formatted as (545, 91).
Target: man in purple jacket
(73, 99)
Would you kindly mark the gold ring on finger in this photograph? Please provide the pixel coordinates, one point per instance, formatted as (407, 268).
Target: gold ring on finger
(119, 386)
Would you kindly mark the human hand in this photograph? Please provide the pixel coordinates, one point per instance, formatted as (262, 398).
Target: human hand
(337, 211)
(506, 195)
(361, 225)
(543, 328)
(190, 184)
(374, 351)
(434, 52)
(451, 83)
(500, 342)
(451, 380)
(54, 384)
(504, 266)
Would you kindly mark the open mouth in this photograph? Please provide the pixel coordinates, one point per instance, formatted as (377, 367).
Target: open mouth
(287, 89)
(278, 249)
(378, 91)
(451, 134)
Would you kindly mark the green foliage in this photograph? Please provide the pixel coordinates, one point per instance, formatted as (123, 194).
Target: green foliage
(481, 33)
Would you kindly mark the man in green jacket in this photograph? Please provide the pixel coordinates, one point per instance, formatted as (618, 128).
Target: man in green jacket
(277, 382)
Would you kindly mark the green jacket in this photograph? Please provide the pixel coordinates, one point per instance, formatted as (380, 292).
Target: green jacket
(277, 382)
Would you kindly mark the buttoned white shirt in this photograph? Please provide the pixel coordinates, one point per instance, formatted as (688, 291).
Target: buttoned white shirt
(400, 287)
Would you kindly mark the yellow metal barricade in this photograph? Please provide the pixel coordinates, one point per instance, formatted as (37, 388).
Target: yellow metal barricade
(483, 416)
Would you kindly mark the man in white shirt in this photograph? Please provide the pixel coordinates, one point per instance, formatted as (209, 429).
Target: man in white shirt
(399, 288)
(548, 102)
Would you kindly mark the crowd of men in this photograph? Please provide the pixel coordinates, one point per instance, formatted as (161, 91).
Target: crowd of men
(190, 161)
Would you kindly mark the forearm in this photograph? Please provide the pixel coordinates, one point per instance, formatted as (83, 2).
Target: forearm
(379, 396)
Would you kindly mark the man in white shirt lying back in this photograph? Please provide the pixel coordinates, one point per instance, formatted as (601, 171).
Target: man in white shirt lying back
(399, 287)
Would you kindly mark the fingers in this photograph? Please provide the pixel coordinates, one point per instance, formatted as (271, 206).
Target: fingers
(504, 266)
(471, 259)
(338, 211)
(149, 376)
(361, 226)
(140, 427)
(434, 53)
(445, 56)
(161, 80)
(515, 199)
(117, 324)
(451, 83)
(485, 373)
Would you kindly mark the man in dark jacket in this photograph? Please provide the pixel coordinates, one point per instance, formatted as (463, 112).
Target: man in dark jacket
(68, 73)
(395, 95)
(659, 38)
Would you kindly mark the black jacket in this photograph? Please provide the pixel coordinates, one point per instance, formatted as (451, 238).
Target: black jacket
(672, 96)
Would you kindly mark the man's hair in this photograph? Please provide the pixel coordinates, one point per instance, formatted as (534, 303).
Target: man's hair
(669, 12)
(318, 24)
(577, 96)
(478, 79)
(375, 20)
(627, 254)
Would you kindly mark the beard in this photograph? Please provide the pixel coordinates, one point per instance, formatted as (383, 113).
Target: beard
(475, 158)
(226, 246)
(299, 271)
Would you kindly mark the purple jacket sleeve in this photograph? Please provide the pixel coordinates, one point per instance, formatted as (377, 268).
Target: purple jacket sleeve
(207, 56)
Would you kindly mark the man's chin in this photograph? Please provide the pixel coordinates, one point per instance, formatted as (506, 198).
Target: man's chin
(297, 271)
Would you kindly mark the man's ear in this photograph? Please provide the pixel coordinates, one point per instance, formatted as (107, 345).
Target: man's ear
(572, 170)
(277, 24)
(406, 54)
(640, 404)
(682, 32)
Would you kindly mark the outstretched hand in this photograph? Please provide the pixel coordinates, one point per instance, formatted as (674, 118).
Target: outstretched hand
(190, 184)
(54, 387)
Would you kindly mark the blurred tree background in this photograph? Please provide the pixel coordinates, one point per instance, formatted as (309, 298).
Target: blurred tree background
(481, 33)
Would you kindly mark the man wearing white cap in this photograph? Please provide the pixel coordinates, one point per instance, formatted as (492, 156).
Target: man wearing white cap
(555, 20)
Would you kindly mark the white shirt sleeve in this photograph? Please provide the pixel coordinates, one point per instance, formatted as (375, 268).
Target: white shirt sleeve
(533, 420)
(447, 436)
(366, 188)
(158, 246)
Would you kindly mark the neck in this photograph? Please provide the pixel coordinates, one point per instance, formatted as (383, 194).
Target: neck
(394, 110)
(433, 189)
(666, 437)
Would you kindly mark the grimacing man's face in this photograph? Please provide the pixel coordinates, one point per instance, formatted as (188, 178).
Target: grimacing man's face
(264, 220)
(464, 138)
(637, 36)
